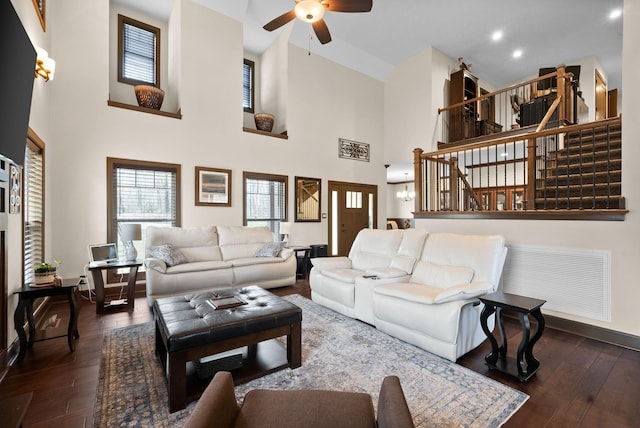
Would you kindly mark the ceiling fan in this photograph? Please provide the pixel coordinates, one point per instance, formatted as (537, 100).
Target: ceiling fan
(312, 11)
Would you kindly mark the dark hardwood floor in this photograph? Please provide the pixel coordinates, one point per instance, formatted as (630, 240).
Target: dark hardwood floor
(581, 382)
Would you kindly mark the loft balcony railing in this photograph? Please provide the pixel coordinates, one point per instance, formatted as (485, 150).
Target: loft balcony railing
(571, 172)
(517, 108)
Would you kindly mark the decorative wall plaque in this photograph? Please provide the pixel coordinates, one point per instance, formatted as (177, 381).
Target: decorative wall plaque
(15, 197)
(353, 150)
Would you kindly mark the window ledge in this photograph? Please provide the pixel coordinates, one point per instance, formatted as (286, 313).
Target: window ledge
(284, 135)
(176, 115)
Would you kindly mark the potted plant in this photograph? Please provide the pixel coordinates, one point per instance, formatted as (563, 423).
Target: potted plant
(45, 273)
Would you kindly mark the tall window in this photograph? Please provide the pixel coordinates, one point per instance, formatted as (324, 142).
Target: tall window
(141, 192)
(265, 200)
(138, 52)
(248, 69)
(33, 206)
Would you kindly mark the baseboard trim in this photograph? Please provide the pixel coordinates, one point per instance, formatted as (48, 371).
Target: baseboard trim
(601, 334)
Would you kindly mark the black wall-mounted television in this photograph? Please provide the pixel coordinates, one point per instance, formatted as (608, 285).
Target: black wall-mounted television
(16, 83)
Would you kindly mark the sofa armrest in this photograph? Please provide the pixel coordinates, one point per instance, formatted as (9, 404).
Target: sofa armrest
(326, 263)
(393, 411)
(217, 406)
(463, 292)
(285, 253)
(155, 264)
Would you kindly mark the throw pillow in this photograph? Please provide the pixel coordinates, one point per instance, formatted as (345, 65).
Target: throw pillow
(168, 254)
(270, 249)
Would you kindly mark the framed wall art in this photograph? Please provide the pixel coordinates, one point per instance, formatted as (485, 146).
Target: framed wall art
(41, 10)
(213, 187)
(308, 191)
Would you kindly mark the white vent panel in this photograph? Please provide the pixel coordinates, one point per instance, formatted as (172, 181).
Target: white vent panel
(575, 282)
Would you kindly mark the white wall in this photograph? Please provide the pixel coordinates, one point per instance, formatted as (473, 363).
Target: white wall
(86, 131)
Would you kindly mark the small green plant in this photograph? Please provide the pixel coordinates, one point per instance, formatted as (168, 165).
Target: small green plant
(45, 267)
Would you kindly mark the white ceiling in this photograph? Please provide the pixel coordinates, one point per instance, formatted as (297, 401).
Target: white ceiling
(549, 33)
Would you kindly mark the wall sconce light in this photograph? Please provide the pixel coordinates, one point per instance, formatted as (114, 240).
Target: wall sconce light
(406, 194)
(45, 66)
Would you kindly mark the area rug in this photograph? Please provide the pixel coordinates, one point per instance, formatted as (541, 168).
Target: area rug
(338, 353)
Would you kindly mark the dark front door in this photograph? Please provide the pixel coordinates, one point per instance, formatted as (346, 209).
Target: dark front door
(352, 207)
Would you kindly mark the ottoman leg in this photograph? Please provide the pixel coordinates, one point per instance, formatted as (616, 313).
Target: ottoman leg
(294, 346)
(177, 381)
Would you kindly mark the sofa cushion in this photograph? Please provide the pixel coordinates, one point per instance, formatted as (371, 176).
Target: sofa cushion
(270, 249)
(238, 242)
(441, 276)
(168, 254)
(198, 244)
(374, 248)
(250, 261)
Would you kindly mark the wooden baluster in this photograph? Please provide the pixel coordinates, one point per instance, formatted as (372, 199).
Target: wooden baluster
(531, 174)
(418, 179)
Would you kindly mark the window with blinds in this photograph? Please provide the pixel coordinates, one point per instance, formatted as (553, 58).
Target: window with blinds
(248, 69)
(138, 52)
(265, 200)
(33, 207)
(141, 192)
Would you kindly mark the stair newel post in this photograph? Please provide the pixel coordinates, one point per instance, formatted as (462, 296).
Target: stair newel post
(531, 174)
(418, 179)
(453, 176)
(562, 91)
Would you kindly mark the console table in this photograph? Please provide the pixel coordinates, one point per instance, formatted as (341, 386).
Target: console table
(98, 283)
(524, 365)
(26, 295)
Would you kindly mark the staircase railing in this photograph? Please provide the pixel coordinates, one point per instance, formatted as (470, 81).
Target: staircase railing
(576, 167)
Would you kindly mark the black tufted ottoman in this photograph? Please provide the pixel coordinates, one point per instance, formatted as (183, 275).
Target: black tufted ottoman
(188, 328)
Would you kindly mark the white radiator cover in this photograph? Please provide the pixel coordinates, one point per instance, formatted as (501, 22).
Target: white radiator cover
(572, 281)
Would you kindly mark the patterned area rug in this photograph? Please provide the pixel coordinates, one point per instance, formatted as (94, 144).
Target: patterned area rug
(339, 353)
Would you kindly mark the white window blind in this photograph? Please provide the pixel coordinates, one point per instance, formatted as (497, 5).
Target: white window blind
(139, 55)
(247, 85)
(265, 203)
(33, 211)
(144, 196)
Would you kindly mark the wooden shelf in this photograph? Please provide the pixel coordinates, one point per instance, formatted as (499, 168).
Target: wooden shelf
(268, 134)
(176, 115)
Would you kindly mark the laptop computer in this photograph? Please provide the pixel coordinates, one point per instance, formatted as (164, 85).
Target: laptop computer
(103, 254)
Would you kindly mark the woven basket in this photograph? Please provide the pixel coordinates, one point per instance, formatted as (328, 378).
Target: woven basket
(264, 121)
(149, 96)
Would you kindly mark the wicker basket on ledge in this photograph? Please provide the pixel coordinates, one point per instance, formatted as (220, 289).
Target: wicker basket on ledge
(264, 121)
(149, 96)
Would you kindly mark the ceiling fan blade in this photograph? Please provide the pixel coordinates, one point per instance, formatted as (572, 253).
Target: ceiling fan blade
(280, 21)
(348, 5)
(322, 31)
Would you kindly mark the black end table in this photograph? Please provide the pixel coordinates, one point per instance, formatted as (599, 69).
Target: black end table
(26, 295)
(524, 365)
(303, 254)
(98, 283)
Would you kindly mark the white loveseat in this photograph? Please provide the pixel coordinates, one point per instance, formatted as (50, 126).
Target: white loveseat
(214, 257)
(434, 304)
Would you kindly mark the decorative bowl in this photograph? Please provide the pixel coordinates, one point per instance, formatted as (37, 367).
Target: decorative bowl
(264, 121)
(149, 96)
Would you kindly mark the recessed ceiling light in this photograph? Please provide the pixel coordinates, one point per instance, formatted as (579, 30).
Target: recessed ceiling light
(497, 35)
(517, 53)
(616, 13)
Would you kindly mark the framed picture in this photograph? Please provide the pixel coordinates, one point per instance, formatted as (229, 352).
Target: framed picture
(213, 187)
(308, 191)
(41, 10)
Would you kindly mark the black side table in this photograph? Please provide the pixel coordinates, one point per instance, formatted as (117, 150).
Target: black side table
(26, 295)
(302, 255)
(524, 365)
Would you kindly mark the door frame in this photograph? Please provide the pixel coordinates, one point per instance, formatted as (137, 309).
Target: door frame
(331, 186)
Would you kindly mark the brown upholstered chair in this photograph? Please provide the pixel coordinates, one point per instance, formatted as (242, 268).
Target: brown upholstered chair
(299, 408)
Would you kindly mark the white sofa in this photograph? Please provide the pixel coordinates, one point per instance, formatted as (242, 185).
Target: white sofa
(214, 257)
(434, 304)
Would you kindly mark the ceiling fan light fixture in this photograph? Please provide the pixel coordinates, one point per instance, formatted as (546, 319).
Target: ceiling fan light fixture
(309, 10)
